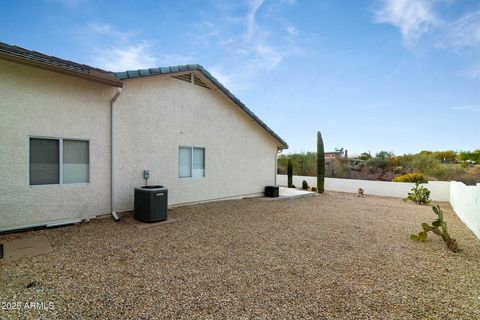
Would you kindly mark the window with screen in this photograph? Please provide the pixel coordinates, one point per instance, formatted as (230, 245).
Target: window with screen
(191, 162)
(58, 161)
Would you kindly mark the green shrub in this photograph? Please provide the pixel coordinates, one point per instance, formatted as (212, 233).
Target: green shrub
(411, 177)
(439, 227)
(304, 185)
(419, 194)
(447, 172)
(425, 163)
(377, 163)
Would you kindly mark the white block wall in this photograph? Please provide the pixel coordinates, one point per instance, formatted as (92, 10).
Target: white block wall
(465, 200)
(440, 190)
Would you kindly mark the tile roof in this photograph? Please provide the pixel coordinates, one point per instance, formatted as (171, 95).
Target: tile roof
(56, 64)
(196, 67)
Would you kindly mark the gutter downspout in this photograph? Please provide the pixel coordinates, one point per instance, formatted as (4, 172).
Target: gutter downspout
(113, 151)
(279, 150)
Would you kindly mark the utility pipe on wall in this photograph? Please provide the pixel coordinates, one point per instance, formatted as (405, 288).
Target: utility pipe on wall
(114, 149)
(279, 150)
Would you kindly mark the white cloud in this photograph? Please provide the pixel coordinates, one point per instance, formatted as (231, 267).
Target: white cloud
(224, 79)
(292, 30)
(250, 19)
(117, 50)
(109, 32)
(412, 17)
(252, 36)
(263, 55)
(465, 31)
(268, 57)
(125, 58)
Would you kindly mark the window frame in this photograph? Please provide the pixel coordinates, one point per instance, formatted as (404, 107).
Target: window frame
(191, 162)
(60, 159)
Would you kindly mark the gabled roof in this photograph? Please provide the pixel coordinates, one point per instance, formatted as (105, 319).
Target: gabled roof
(131, 74)
(40, 60)
(37, 59)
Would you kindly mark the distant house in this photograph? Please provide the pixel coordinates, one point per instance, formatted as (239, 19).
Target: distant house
(330, 156)
(76, 139)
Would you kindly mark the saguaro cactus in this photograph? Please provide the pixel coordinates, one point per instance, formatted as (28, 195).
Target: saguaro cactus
(290, 173)
(320, 164)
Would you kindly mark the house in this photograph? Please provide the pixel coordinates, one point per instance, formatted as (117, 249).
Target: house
(330, 156)
(76, 139)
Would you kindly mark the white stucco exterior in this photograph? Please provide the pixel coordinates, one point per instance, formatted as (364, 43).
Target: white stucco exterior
(157, 114)
(154, 116)
(40, 103)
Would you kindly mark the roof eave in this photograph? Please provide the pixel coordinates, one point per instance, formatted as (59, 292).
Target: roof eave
(111, 81)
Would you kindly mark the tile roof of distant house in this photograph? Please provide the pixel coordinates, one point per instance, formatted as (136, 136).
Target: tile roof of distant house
(25, 56)
(196, 67)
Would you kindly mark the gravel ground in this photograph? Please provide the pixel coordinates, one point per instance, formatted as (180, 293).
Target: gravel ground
(334, 256)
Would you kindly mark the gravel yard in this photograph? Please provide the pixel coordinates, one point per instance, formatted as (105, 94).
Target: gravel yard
(333, 256)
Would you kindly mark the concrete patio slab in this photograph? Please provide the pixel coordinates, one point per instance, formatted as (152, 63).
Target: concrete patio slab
(28, 247)
(290, 193)
(143, 225)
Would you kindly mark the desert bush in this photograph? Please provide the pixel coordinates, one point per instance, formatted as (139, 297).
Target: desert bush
(447, 172)
(470, 155)
(314, 189)
(364, 156)
(384, 155)
(438, 227)
(339, 168)
(419, 194)
(411, 177)
(447, 156)
(304, 185)
(377, 163)
(425, 163)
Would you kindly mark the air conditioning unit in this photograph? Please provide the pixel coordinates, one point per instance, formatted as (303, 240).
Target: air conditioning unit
(151, 203)
(271, 191)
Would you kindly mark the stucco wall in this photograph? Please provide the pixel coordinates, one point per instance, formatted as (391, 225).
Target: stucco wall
(465, 200)
(158, 114)
(35, 102)
(440, 190)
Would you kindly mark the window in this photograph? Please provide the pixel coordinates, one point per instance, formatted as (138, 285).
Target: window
(58, 161)
(44, 161)
(191, 162)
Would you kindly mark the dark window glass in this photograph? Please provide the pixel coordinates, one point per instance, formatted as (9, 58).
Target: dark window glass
(44, 161)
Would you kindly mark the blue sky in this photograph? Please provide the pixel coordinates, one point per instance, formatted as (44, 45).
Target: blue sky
(396, 75)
